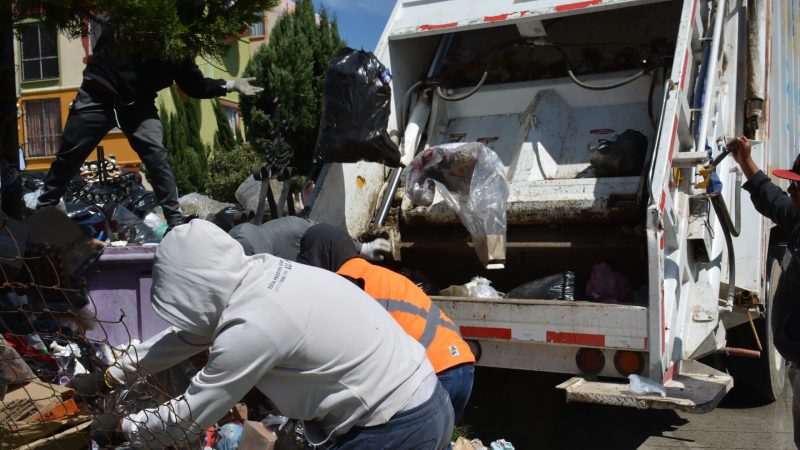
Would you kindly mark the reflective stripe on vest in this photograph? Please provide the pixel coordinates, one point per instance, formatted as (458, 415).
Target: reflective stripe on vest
(432, 317)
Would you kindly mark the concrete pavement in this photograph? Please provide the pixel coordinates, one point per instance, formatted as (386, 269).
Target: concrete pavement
(526, 409)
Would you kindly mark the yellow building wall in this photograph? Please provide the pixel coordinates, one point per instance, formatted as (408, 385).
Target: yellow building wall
(72, 55)
(71, 61)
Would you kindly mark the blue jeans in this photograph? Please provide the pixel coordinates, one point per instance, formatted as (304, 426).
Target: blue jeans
(457, 381)
(425, 427)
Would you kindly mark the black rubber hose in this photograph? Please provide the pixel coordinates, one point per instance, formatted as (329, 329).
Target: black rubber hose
(603, 87)
(728, 231)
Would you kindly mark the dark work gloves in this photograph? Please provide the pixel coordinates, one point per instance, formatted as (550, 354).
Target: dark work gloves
(89, 387)
(106, 431)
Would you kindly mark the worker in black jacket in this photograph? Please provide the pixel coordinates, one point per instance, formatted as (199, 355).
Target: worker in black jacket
(119, 90)
(784, 211)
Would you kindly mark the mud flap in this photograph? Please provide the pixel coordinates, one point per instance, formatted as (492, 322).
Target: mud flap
(696, 388)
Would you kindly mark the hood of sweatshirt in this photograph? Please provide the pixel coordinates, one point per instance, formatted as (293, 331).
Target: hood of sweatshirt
(327, 247)
(196, 271)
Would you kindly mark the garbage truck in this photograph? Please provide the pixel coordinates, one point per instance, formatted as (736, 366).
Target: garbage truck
(541, 83)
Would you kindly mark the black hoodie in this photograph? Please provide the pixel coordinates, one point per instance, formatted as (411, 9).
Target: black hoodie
(133, 78)
(773, 203)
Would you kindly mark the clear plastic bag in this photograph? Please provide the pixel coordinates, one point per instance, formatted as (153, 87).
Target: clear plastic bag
(471, 179)
(482, 289)
(642, 385)
(204, 207)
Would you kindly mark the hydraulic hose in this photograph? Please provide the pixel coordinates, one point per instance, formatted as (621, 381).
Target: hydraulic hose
(729, 231)
(605, 87)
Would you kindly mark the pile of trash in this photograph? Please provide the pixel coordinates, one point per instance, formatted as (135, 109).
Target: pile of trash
(604, 284)
(44, 314)
(112, 205)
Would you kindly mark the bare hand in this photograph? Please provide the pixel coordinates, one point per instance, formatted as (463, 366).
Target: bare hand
(741, 150)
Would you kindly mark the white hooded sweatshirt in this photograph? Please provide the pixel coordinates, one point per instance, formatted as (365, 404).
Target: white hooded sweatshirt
(317, 346)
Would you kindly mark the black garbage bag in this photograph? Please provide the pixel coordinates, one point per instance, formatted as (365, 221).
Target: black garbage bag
(127, 226)
(230, 216)
(355, 111)
(560, 286)
(622, 157)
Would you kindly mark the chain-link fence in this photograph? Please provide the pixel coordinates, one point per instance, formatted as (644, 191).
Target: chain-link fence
(52, 339)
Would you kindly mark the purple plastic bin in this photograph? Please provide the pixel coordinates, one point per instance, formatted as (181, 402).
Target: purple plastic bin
(119, 281)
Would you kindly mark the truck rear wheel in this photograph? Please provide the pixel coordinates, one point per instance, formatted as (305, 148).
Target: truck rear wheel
(765, 377)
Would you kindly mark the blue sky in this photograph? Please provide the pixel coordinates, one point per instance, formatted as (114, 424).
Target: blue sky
(361, 22)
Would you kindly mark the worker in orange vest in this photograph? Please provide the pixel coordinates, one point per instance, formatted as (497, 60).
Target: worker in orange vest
(331, 248)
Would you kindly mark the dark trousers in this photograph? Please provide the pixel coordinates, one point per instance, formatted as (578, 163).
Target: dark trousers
(457, 381)
(426, 427)
(92, 115)
(794, 378)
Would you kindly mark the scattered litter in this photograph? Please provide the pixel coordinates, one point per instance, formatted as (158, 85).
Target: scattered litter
(560, 286)
(471, 179)
(501, 444)
(478, 287)
(463, 443)
(644, 386)
(605, 284)
(200, 205)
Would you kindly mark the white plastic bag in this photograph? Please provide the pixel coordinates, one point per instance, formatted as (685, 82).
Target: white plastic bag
(642, 385)
(482, 289)
(247, 193)
(471, 179)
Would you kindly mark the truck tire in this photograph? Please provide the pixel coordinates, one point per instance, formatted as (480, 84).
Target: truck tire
(764, 377)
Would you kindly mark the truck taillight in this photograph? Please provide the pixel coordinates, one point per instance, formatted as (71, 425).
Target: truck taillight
(590, 360)
(628, 362)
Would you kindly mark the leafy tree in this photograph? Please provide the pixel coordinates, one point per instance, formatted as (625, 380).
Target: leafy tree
(155, 28)
(292, 68)
(230, 169)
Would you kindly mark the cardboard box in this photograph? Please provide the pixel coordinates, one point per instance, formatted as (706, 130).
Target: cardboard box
(34, 411)
(256, 436)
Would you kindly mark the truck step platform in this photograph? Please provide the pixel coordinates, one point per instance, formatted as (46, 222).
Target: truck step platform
(695, 388)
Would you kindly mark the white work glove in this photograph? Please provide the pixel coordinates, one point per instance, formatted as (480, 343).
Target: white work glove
(375, 250)
(243, 86)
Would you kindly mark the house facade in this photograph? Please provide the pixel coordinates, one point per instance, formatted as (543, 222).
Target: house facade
(49, 73)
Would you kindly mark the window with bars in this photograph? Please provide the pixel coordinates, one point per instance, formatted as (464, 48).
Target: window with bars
(39, 52)
(42, 127)
(257, 28)
(233, 116)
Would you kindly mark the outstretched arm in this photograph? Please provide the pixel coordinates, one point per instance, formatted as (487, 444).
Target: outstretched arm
(240, 357)
(770, 200)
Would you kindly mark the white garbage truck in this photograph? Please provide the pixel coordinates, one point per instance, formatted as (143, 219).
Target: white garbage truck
(541, 82)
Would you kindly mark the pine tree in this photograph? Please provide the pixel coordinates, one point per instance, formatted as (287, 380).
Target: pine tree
(292, 68)
(187, 153)
(223, 138)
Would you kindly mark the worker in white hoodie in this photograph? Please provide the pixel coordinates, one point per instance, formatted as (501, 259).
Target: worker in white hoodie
(315, 344)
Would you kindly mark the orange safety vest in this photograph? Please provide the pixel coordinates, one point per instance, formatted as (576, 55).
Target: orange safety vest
(414, 311)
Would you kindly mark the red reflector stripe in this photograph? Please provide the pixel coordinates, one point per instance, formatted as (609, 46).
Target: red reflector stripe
(438, 26)
(578, 5)
(497, 18)
(486, 333)
(597, 340)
